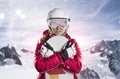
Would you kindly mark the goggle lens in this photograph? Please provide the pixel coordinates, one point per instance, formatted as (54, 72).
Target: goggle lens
(58, 22)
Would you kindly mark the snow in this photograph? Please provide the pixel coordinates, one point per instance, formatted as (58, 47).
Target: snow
(2, 16)
(93, 61)
(17, 72)
(26, 71)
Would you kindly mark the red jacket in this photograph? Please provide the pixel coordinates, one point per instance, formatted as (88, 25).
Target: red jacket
(43, 65)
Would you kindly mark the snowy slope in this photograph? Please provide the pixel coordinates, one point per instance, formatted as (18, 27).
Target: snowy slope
(93, 61)
(26, 71)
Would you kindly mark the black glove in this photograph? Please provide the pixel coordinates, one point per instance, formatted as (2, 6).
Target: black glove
(69, 44)
(47, 45)
(64, 54)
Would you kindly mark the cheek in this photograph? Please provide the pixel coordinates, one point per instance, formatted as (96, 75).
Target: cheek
(59, 29)
(64, 28)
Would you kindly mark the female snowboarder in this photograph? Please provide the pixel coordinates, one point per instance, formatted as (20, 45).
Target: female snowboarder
(46, 59)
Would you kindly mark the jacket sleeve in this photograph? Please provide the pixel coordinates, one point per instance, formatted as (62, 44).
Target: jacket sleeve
(45, 64)
(74, 64)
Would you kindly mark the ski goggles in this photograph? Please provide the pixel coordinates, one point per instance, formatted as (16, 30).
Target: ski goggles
(53, 23)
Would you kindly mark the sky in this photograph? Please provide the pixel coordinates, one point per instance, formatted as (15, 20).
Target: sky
(22, 22)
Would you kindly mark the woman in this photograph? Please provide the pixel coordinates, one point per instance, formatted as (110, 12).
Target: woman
(58, 23)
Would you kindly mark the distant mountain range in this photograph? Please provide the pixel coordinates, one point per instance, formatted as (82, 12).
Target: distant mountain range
(109, 56)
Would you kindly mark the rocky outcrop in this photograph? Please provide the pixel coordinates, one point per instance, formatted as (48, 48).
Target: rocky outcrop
(88, 74)
(9, 53)
(26, 51)
(110, 49)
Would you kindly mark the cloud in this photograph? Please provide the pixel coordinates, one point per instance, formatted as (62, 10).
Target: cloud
(25, 21)
(85, 9)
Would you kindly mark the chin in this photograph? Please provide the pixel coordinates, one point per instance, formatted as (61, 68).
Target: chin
(59, 34)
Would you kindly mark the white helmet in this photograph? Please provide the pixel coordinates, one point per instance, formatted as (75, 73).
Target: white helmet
(58, 13)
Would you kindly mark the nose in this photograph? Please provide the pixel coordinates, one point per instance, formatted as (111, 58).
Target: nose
(58, 27)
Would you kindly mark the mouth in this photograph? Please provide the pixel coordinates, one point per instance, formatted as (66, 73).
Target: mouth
(58, 31)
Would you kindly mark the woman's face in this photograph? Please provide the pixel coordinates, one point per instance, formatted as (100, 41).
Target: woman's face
(58, 26)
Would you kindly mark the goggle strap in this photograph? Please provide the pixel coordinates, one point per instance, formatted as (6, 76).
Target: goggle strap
(60, 18)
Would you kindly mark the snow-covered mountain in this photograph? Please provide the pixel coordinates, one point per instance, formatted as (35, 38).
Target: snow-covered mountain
(110, 51)
(24, 71)
(104, 59)
(7, 53)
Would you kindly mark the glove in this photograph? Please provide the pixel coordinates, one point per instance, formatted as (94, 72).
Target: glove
(68, 44)
(45, 52)
(47, 45)
(64, 54)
